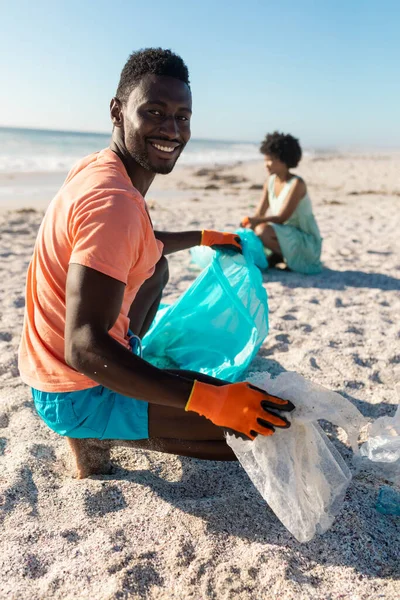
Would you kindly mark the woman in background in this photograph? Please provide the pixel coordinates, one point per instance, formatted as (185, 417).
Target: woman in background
(289, 232)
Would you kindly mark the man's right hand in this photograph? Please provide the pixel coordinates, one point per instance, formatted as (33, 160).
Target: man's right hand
(239, 406)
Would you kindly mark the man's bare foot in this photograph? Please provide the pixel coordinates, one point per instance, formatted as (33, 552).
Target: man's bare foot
(91, 456)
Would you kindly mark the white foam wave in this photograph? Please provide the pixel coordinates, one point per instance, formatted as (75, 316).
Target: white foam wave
(29, 151)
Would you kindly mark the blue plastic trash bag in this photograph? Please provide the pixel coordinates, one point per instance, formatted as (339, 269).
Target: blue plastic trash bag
(217, 326)
(203, 255)
(255, 247)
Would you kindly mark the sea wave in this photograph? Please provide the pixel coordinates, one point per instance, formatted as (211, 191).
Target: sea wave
(28, 151)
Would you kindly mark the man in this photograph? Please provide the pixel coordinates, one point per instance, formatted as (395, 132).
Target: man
(98, 271)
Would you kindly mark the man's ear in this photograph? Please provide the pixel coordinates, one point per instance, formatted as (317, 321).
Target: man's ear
(116, 113)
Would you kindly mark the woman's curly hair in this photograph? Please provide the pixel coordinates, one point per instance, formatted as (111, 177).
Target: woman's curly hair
(283, 146)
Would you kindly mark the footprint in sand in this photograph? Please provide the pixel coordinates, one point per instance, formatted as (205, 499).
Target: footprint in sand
(71, 535)
(354, 385)
(356, 330)
(186, 554)
(3, 444)
(314, 364)
(19, 302)
(289, 317)
(361, 362)
(138, 582)
(279, 347)
(23, 490)
(395, 360)
(5, 336)
(121, 564)
(375, 377)
(283, 337)
(4, 420)
(43, 452)
(34, 567)
(109, 499)
(339, 303)
(148, 555)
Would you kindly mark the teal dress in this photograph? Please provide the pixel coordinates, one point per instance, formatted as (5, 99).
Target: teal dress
(299, 237)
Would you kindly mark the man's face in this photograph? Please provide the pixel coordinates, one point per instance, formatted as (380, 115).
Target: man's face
(157, 122)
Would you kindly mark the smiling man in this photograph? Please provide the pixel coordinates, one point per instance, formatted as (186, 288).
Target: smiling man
(95, 283)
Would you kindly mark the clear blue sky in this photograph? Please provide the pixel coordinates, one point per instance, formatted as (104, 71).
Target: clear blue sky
(325, 70)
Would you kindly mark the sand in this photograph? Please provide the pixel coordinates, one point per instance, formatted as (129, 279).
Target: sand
(162, 527)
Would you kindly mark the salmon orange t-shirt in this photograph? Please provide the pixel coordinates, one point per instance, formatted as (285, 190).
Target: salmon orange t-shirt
(98, 220)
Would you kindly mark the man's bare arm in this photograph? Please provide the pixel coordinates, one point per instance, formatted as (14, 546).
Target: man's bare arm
(93, 302)
(173, 242)
(181, 240)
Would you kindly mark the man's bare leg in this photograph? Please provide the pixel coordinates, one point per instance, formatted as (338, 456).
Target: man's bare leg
(171, 430)
(90, 456)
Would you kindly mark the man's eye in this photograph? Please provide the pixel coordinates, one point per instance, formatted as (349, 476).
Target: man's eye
(155, 112)
(182, 118)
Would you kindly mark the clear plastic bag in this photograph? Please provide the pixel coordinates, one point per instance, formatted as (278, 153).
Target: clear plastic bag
(383, 447)
(298, 471)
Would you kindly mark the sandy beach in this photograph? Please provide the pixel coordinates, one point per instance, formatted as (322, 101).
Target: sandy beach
(163, 527)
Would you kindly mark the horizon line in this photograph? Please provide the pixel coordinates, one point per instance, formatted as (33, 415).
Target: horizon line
(80, 132)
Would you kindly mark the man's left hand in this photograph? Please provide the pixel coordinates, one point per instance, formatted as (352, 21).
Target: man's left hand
(221, 240)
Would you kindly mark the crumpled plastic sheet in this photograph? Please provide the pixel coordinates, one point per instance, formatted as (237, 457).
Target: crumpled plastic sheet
(298, 471)
(383, 447)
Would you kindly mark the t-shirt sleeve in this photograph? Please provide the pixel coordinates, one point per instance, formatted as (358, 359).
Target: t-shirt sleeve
(108, 234)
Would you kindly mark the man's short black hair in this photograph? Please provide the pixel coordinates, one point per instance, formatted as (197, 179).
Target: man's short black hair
(150, 61)
(283, 146)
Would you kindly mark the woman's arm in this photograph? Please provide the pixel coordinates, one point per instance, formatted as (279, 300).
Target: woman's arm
(261, 209)
(263, 203)
(297, 193)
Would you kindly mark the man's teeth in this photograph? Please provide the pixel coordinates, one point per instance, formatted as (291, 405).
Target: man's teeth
(163, 148)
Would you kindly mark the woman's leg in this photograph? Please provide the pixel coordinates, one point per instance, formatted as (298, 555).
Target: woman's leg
(267, 235)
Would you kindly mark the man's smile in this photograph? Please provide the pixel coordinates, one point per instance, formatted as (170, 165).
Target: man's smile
(164, 147)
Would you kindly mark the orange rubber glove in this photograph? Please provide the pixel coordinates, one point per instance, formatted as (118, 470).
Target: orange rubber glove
(245, 222)
(221, 240)
(239, 406)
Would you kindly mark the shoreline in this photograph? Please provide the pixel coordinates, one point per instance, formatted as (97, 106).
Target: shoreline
(36, 189)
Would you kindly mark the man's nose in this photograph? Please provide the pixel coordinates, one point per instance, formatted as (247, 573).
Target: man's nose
(169, 128)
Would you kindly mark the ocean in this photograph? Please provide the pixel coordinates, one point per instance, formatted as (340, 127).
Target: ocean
(46, 151)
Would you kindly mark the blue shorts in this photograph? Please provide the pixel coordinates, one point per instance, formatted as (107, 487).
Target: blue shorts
(94, 413)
